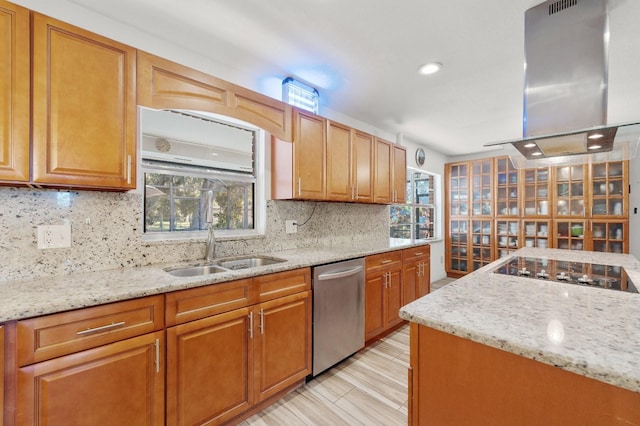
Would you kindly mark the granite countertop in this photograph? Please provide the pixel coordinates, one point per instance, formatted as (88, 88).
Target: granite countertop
(45, 295)
(590, 331)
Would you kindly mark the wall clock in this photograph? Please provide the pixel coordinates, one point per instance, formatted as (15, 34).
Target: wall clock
(420, 156)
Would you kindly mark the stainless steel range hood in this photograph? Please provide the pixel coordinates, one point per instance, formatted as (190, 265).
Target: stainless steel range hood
(565, 94)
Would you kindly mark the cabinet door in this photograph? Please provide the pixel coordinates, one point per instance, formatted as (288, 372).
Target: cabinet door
(393, 298)
(424, 281)
(15, 92)
(309, 156)
(382, 172)
(117, 384)
(374, 320)
(84, 109)
(339, 163)
(209, 369)
(410, 278)
(399, 174)
(362, 166)
(282, 355)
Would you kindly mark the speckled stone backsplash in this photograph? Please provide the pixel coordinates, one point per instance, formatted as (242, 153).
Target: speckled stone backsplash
(106, 231)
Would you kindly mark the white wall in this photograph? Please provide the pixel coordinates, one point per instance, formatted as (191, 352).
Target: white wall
(634, 203)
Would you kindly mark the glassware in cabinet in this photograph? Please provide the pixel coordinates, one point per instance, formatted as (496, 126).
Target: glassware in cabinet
(481, 191)
(570, 191)
(536, 233)
(608, 189)
(610, 236)
(458, 250)
(507, 189)
(569, 234)
(536, 192)
(459, 190)
(508, 236)
(481, 243)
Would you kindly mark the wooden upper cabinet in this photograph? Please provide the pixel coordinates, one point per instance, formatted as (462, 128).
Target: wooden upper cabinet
(163, 84)
(15, 92)
(309, 153)
(84, 108)
(399, 179)
(362, 168)
(339, 143)
(382, 172)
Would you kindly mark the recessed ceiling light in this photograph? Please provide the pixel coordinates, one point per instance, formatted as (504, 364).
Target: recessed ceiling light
(595, 146)
(595, 136)
(430, 68)
(530, 145)
(536, 153)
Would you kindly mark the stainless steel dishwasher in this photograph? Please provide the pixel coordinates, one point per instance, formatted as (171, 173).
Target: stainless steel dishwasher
(338, 312)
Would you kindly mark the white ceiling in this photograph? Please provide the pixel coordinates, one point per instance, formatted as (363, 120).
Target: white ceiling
(362, 55)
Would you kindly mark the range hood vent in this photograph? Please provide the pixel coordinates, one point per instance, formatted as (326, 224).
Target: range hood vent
(566, 85)
(561, 5)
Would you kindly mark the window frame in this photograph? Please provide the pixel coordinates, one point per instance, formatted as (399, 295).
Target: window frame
(435, 205)
(259, 196)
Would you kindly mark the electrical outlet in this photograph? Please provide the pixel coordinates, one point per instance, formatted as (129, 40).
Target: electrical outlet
(54, 236)
(290, 226)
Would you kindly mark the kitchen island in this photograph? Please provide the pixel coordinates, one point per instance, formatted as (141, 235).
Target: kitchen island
(501, 349)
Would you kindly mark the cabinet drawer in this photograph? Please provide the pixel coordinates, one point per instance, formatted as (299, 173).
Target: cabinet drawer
(416, 253)
(389, 259)
(272, 286)
(201, 302)
(60, 334)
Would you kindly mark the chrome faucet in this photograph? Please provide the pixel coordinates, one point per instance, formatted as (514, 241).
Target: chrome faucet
(211, 238)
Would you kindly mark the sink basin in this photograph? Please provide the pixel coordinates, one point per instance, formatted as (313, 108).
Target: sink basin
(248, 262)
(194, 271)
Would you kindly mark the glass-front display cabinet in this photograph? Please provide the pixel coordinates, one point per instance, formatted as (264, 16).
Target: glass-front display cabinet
(481, 202)
(458, 190)
(458, 246)
(611, 236)
(481, 243)
(609, 189)
(537, 192)
(570, 234)
(508, 232)
(570, 191)
(507, 194)
(537, 233)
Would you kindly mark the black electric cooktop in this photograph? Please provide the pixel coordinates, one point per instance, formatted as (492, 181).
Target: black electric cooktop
(585, 274)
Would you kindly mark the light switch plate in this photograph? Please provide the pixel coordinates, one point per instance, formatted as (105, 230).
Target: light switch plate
(54, 236)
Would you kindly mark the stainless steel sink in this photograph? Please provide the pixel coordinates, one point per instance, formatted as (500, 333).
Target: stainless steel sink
(224, 265)
(194, 271)
(245, 262)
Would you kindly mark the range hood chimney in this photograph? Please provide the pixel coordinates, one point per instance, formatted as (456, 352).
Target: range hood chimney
(565, 93)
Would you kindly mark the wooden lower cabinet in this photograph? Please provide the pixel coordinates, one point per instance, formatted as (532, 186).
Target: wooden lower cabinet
(416, 276)
(503, 388)
(115, 384)
(209, 369)
(282, 344)
(383, 293)
(221, 366)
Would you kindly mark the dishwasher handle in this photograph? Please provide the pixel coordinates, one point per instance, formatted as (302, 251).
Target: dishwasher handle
(341, 274)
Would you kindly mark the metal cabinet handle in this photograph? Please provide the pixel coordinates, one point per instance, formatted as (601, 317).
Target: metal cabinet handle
(129, 169)
(251, 325)
(299, 187)
(101, 328)
(389, 279)
(157, 355)
(261, 321)
(384, 262)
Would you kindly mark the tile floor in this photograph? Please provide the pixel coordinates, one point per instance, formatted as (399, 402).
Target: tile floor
(370, 388)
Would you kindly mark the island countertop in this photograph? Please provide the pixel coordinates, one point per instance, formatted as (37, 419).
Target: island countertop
(590, 331)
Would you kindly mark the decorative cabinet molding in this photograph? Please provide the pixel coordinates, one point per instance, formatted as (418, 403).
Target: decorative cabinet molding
(163, 84)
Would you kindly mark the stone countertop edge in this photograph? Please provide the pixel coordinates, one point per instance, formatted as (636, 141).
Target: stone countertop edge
(51, 294)
(592, 332)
